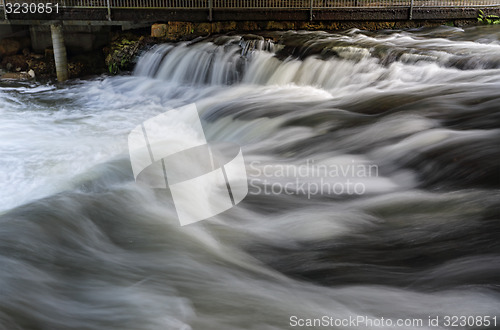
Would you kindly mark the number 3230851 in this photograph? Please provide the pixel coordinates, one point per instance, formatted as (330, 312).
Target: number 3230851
(31, 8)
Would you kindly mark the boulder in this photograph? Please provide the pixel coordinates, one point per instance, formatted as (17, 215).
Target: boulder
(9, 46)
(12, 46)
(159, 30)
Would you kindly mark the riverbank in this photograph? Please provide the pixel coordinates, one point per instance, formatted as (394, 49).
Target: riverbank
(19, 61)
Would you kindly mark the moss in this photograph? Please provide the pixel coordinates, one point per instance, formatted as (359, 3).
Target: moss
(123, 48)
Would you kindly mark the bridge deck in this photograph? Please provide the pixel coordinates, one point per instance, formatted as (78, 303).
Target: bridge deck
(104, 12)
(265, 4)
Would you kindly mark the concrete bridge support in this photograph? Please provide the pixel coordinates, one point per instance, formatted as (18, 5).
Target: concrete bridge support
(60, 56)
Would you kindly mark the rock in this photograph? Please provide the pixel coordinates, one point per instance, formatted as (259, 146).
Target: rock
(31, 73)
(12, 46)
(86, 64)
(252, 37)
(203, 28)
(124, 49)
(43, 68)
(16, 76)
(222, 27)
(175, 31)
(75, 69)
(9, 46)
(15, 62)
(49, 53)
(159, 30)
(223, 40)
(120, 56)
(249, 26)
(279, 25)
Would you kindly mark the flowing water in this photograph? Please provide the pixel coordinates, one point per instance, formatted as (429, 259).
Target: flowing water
(373, 170)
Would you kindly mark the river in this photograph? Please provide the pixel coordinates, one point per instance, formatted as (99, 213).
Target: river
(373, 170)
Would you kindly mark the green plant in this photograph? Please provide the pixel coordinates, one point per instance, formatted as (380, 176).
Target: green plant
(113, 68)
(488, 19)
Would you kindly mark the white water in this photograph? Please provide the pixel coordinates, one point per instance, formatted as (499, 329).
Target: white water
(83, 247)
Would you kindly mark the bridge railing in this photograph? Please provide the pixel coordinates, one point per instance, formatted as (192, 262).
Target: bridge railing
(264, 4)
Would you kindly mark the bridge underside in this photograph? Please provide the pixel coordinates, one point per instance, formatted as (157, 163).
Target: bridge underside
(144, 16)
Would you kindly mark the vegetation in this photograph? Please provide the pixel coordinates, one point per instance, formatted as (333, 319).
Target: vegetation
(488, 19)
(122, 51)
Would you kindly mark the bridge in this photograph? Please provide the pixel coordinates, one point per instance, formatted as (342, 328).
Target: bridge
(117, 12)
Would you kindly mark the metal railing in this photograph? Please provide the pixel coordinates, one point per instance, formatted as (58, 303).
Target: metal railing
(9, 6)
(264, 4)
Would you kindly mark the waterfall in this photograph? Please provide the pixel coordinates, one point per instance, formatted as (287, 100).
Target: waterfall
(326, 61)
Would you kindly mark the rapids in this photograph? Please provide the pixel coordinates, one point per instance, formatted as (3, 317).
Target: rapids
(82, 246)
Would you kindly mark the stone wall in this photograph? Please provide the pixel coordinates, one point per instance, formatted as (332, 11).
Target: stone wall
(175, 31)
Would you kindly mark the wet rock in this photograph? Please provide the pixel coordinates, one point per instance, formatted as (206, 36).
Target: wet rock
(224, 40)
(252, 37)
(17, 76)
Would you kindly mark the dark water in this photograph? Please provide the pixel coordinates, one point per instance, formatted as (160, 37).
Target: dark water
(373, 169)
